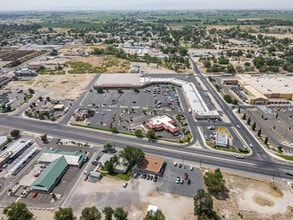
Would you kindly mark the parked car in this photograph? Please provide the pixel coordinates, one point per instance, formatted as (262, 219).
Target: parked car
(188, 182)
(95, 162)
(37, 174)
(185, 176)
(155, 178)
(35, 194)
(181, 181)
(178, 180)
(125, 185)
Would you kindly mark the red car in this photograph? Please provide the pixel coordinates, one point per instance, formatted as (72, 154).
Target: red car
(37, 174)
(35, 194)
(185, 176)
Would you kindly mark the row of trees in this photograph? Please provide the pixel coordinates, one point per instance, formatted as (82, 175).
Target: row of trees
(19, 211)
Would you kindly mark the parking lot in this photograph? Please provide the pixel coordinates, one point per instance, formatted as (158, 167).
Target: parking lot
(169, 184)
(275, 123)
(15, 97)
(128, 110)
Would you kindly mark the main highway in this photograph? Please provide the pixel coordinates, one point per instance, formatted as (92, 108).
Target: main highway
(258, 163)
(178, 152)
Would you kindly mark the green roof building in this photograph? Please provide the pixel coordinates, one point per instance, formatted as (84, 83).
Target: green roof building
(51, 175)
(75, 158)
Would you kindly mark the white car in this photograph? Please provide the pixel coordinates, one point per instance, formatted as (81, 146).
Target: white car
(125, 184)
(178, 180)
(240, 157)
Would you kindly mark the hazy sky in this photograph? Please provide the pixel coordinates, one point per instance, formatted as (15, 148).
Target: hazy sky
(8, 5)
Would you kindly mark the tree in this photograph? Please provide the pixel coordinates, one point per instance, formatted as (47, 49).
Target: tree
(266, 140)
(248, 121)
(151, 134)
(259, 61)
(108, 211)
(14, 133)
(109, 166)
(120, 214)
(64, 214)
(17, 211)
(280, 149)
(203, 204)
(227, 98)
(44, 138)
(214, 181)
(54, 196)
(253, 126)
(151, 215)
(138, 132)
(108, 146)
(230, 68)
(244, 116)
(31, 91)
(114, 129)
(259, 132)
(119, 90)
(135, 89)
(207, 64)
(100, 90)
(90, 213)
(132, 154)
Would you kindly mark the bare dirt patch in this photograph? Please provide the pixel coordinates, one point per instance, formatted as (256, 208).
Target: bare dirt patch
(153, 68)
(58, 87)
(263, 201)
(135, 198)
(255, 199)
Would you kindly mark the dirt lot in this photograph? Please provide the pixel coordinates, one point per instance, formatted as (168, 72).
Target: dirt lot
(255, 199)
(248, 198)
(135, 198)
(59, 87)
(152, 68)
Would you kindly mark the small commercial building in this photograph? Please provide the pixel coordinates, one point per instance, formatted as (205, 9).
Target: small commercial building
(162, 123)
(83, 113)
(151, 164)
(25, 72)
(75, 158)
(222, 140)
